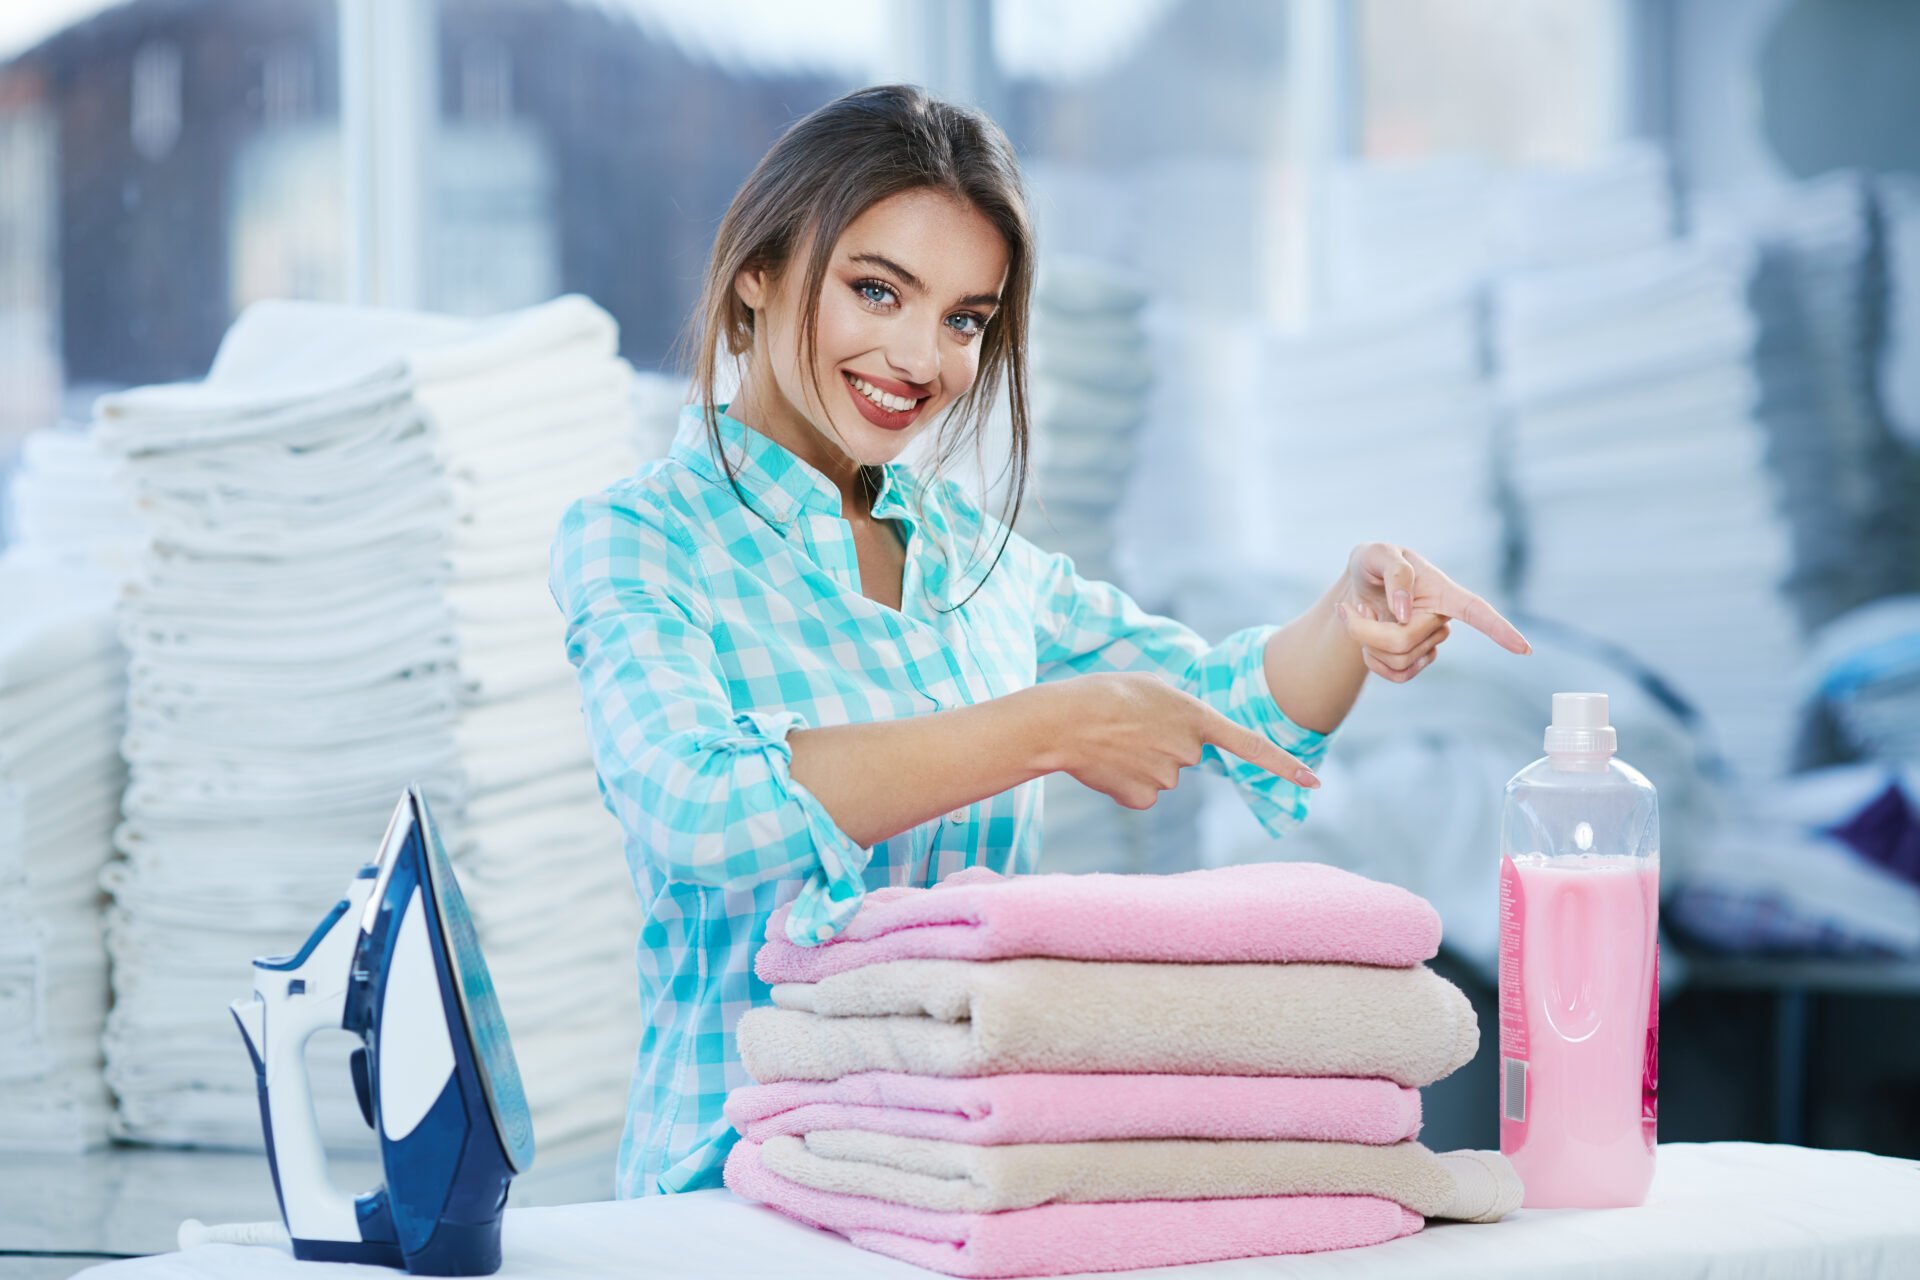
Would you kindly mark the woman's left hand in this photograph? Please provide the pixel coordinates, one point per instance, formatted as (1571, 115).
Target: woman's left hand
(1396, 606)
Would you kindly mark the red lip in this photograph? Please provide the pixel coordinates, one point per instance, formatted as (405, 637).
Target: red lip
(885, 419)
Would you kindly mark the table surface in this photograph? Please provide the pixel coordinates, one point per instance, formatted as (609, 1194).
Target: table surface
(1732, 1210)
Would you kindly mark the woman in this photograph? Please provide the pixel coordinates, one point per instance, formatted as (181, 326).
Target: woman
(809, 670)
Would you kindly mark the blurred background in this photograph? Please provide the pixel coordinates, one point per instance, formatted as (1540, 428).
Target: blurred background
(1609, 307)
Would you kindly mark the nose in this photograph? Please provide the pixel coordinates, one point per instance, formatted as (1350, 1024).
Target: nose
(914, 355)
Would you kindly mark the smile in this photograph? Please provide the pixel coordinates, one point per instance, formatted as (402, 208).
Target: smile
(883, 408)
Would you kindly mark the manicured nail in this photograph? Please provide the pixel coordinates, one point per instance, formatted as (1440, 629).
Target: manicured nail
(1306, 778)
(1402, 606)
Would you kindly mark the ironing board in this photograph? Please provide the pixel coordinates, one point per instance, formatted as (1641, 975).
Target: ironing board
(1741, 1209)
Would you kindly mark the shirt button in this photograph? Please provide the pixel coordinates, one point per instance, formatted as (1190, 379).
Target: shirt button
(957, 817)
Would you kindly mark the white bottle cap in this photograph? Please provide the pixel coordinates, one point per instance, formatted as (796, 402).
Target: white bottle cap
(1580, 726)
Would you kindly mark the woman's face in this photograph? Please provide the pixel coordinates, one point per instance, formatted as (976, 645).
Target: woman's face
(907, 294)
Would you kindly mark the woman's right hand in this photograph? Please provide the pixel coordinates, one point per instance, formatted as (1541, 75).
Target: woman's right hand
(1128, 734)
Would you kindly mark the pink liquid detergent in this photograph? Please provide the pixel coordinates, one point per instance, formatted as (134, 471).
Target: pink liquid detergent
(1579, 970)
(1585, 1021)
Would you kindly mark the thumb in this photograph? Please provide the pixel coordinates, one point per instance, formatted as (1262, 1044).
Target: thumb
(1396, 576)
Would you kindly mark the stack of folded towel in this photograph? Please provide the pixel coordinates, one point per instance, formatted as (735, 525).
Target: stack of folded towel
(657, 399)
(345, 593)
(62, 696)
(1091, 378)
(1048, 1074)
(1335, 414)
(63, 506)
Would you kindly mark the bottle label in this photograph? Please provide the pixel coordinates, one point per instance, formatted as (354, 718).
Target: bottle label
(1650, 1066)
(1513, 1012)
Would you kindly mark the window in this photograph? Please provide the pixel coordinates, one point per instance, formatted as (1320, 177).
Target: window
(164, 165)
(1154, 133)
(1514, 81)
(594, 148)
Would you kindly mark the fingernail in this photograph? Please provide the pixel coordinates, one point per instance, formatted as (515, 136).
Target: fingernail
(1306, 778)
(1341, 609)
(1402, 606)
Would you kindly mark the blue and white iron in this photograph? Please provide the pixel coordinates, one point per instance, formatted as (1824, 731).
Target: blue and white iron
(397, 963)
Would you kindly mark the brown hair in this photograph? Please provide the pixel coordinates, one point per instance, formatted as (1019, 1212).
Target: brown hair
(824, 172)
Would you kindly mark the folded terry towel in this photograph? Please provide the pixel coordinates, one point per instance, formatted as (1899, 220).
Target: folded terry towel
(1058, 1239)
(992, 1110)
(956, 1177)
(978, 1018)
(1278, 912)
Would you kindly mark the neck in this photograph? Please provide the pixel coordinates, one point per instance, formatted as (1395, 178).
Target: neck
(761, 408)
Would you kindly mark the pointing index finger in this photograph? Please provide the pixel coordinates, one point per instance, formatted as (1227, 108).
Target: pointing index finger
(1217, 729)
(1455, 601)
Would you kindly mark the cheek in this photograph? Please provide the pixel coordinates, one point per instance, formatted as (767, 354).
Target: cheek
(959, 367)
(846, 330)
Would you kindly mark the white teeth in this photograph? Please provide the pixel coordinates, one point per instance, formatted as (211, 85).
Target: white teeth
(886, 400)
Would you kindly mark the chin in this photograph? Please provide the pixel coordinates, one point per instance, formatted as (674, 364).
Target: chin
(871, 446)
(884, 451)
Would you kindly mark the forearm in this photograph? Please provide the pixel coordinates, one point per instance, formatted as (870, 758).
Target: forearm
(1314, 669)
(877, 780)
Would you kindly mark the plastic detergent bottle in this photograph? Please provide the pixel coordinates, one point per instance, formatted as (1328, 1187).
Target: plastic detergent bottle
(1579, 968)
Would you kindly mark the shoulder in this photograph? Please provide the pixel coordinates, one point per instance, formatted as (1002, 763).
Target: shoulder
(637, 529)
(663, 499)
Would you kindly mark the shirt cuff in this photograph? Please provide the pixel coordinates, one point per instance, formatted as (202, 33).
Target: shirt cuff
(1238, 688)
(836, 886)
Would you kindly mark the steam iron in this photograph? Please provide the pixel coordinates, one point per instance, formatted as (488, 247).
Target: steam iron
(396, 963)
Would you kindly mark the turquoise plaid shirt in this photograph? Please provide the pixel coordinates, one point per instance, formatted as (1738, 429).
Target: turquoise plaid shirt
(704, 631)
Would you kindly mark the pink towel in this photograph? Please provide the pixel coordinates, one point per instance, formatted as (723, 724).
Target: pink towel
(1058, 1239)
(1277, 912)
(1031, 1107)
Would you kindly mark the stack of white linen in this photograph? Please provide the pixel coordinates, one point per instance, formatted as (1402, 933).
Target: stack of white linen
(657, 401)
(62, 690)
(1091, 380)
(1092, 377)
(63, 505)
(345, 593)
(1694, 441)
(1407, 229)
(1377, 426)
(1641, 476)
(1845, 480)
(1545, 216)
(1897, 197)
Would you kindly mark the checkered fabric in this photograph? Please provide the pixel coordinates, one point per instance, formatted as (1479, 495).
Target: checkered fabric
(705, 629)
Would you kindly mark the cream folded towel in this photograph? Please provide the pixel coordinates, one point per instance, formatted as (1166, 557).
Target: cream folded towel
(976, 1018)
(1472, 1186)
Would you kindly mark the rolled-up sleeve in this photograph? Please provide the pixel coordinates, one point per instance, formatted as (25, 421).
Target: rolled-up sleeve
(1084, 626)
(704, 793)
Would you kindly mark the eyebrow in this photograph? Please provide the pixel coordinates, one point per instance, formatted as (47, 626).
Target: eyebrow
(914, 282)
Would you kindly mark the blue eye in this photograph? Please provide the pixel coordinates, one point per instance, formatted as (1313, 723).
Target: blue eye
(967, 324)
(867, 289)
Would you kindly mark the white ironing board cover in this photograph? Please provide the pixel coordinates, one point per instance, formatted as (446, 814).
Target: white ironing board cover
(1729, 1210)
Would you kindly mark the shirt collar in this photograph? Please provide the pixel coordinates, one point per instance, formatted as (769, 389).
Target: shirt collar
(774, 477)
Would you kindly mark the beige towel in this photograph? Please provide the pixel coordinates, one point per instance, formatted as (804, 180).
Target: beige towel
(1473, 1186)
(977, 1018)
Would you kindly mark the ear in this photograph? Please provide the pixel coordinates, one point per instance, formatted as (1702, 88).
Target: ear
(753, 286)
